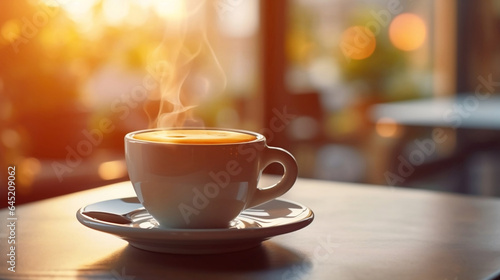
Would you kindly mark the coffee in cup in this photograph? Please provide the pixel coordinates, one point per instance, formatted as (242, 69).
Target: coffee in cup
(202, 178)
(195, 136)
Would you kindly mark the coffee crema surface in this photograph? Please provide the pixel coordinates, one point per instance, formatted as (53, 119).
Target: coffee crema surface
(195, 136)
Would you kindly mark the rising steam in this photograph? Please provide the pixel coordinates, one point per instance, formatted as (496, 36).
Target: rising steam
(185, 67)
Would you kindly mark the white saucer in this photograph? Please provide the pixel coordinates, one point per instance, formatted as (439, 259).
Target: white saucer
(248, 230)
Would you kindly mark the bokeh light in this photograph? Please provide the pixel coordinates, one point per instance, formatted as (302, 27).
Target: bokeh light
(358, 42)
(173, 9)
(303, 128)
(407, 32)
(11, 30)
(344, 123)
(115, 11)
(110, 170)
(10, 138)
(387, 128)
(79, 11)
(28, 168)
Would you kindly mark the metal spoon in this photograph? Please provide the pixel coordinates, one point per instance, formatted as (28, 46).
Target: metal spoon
(118, 211)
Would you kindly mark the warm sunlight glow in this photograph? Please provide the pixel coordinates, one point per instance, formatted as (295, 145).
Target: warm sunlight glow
(112, 170)
(11, 30)
(387, 128)
(358, 42)
(51, 3)
(187, 68)
(241, 22)
(407, 32)
(115, 11)
(79, 11)
(172, 9)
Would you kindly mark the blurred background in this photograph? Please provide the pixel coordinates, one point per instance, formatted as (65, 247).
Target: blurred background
(388, 92)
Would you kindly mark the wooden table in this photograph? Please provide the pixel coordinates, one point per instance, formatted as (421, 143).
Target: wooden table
(360, 232)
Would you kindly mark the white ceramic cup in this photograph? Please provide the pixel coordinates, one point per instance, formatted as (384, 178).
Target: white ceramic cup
(203, 185)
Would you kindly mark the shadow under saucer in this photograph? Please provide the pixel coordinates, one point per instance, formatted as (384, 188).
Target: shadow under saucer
(267, 261)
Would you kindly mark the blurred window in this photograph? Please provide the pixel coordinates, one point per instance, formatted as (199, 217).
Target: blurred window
(76, 76)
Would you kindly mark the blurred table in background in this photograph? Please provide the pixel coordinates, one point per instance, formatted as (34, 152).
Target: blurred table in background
(465, 111)
(468, 161)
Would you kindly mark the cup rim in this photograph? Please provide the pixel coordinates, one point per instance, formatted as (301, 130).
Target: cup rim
(258, 137)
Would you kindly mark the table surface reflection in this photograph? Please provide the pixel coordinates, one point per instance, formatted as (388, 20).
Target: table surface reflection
(359, 232)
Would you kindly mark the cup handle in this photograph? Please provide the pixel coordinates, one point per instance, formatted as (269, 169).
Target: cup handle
(283, 157)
